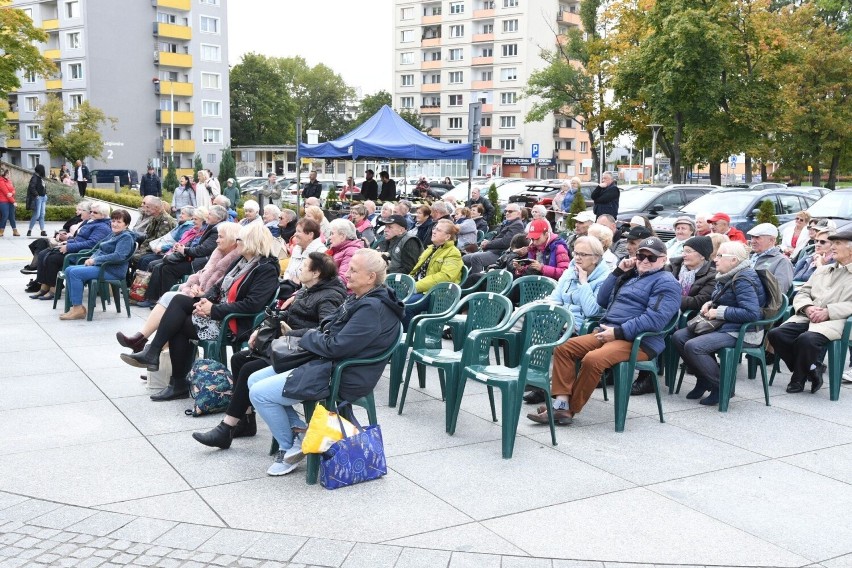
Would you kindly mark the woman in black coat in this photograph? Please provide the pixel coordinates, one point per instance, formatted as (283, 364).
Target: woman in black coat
(695, 273)
(321, 294)
(37, 199)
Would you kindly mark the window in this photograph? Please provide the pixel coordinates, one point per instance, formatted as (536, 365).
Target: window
(72, 40)
(212, 135)
(72, 9)
(164, 18)
(456, 7)
(406, 102)
(456, 54)
(28, 12)
(211, 108)
(488, 28)
(509, 74)
(407, 80)
(31, 104)
(456, 76)
(455, 123)
(432, 56)
(485, 121)
(509, 98)
(406, 13)
(510, 3)
(406, 36)
(30, 77)
(429, 79)
(209, 25)
(510, 50)
(507, 122)
(456, 31)
(166, 103)
(584, 147)
(211, 81)
(211, 2)
(432, 11)
(507, 143)
(34, 159)
(485, 75)
(510, 26)
(168, 47)
(434, 101)
(75, 70)
(487, 52)
(75, 101)
(406, 58)
(789, 204)
(456, 100)
(210, 52)
(454, 141)
(33, 132)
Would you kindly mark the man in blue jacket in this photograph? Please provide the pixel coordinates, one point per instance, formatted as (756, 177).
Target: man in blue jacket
(639, 296)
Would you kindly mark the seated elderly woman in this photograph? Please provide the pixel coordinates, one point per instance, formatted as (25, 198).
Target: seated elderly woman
(118, 247)
(737, 299)
(370, 311)
(476, 214)
(68, 230)
(160, 247)
(820, 309)
(605, 236)
(248, 287)
(467, 227)
(358, 215)
(287, 224)
(343, 241)
(251, 213)
(225, 255)
(50, 260)
(423, 224)
(321, 294)
(270, 218)
(440, 262)
(307, 239)
(315, 213)
(821, 256)
(695, 273)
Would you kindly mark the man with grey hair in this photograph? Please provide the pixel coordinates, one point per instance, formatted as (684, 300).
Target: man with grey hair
(606, 196)
(404, 208)
(490, 250)
(440, 210)
(767, 255)
(226, 203)
(159, 224)
(476, 198)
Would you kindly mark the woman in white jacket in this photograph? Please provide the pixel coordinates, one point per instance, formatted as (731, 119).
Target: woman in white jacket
(795, 237)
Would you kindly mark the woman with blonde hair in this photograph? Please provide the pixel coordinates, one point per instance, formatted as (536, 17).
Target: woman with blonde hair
(795, 237)
(441, 261)
(718, 239)
(315, 213)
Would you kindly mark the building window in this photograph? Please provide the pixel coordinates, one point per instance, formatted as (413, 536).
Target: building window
(165, 103)
(72, 40)
(485, 121)
(510, 26)
(211, 52)
(212, 135)
(407, 80)
(509, 98)
(456, 7)
(211, 2)
(75, 70)
(74, 101)
(434, 101)
(510, 50)
(456, 76)
(510, 3)
(432, 11)
(406, 102)
(406, 58)
(164, 18)
(454, 141)
(28, 12)
(455, 123)
(456, 54)
(211, 158)
(485, 76)
(33, 132)
(432, 56)
(507, 122)
(456, 100)
(509, 74)
(211, 81)
(209, 25)
(34, 160)
(168, 47)
(406, 13)
(31, 104)
(457, 31)
(30, 77)
(507, 143)
(72, 9)
(487, 52)
(211, 108)
(431, 79)
(584, 147)
(406, 36)
(488, 28)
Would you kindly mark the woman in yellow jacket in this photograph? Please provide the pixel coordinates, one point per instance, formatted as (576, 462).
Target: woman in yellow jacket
(440, 262)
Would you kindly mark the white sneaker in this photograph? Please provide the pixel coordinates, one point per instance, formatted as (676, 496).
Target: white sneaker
(278, 467)
(295, 454)
(847, 376)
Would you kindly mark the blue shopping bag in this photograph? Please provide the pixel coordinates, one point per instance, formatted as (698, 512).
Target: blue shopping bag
(355, 459)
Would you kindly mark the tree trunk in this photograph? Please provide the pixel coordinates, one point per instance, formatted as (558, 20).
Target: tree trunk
(832, 172)
(747, 165)
(763, 174)
(675, 157)
(816, 176)
(716, 173)
(595, 157)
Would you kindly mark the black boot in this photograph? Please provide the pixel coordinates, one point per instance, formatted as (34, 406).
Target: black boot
(643, 383)
(32, 287)
(246, 427)
(148, 358)
(219, 437)
(173, 391)
(815, 376)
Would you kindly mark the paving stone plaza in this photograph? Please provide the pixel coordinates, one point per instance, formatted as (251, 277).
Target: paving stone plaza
(92, 473)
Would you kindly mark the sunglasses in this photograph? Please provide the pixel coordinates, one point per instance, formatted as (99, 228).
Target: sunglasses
(822, 241)
(652, 258)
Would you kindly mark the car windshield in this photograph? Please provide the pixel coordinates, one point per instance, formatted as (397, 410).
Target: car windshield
(635, 200)
(835, 204)
(730, 202)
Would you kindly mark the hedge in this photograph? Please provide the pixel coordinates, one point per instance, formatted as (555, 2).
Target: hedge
(52, 212)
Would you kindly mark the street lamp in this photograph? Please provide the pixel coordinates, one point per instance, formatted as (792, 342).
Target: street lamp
(656, 129)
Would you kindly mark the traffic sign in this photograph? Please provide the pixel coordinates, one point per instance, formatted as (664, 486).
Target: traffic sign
(534, 149)
(733, 160)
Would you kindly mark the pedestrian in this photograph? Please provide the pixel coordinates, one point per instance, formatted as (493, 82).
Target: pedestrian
(37, 199)
(150, 184)
(605, 197)
(7, 203)
(313, 188)
(81, 176)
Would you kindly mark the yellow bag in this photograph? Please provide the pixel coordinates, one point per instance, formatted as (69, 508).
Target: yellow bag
(324, 430)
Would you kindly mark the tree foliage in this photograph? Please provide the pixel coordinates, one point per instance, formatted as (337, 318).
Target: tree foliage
(18, 43)
(74, 134)
(494, 198)
(227, 167)
(766, 213)
(197, 166)
(578, 205)
(170, 182)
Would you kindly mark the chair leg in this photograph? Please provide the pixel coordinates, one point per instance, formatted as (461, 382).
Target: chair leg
(491, 402)
(442, 381)
(621, 393)
(680, 377)
(836, 363)
(405, 382)
(126, 293)
(116, 294)
(509, 395)
(752, 368)
(727, 371)
(421, 375)
(548, 403)
(93, 299)
(457, 397)
(776, 366)
(313, 461)
(671, 360)
(60, 284)
(371, 409)
(763, 377)
(396, 363)
(497, 344)
(659, 402)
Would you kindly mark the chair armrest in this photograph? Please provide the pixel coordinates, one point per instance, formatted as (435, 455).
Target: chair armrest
(587, 325)
(475, 287)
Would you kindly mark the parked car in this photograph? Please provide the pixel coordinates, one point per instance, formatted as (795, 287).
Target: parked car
(542, 193)
(835, 205)
(741, 204)
(290, 193)
(814, 190)
(281, 185)
(107, 178)
(655, 201)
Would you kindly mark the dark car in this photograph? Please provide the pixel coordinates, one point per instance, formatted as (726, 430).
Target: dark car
(654, 201)
(741, 205)
(107, 177)
(542, 193)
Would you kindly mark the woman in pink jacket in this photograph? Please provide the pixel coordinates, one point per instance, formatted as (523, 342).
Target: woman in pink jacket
(547, 254)
(343, 242)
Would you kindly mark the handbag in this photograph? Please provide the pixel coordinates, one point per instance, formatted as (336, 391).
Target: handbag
(699, 325)
(309, 381)
(286, 354)
(268, 330)
(205, 327)
(140, 285)
(174, 258)
(354, 459)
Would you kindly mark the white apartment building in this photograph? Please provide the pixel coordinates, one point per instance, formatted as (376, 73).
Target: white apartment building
(449, 53)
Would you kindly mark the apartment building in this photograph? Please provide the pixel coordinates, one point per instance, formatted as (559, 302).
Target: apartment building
(449, 53)
(160, 67)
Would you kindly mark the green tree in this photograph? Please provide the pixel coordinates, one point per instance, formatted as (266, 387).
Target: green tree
(577, 206)
(197, 166)
(170, 182)
(227, 167)
(331, 200)
(497, 215)
(371, 104)
(766, 213)
(82, 138)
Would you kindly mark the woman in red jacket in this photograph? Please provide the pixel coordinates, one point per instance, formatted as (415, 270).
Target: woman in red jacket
(7, 203)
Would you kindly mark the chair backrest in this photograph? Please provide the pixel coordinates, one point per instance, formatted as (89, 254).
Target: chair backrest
(543, 324)
(532, 288)
(479, 236)
(401, 284)
(443, 296)
(498, 281)
(464, 274)
(485, 310)
(341, 365)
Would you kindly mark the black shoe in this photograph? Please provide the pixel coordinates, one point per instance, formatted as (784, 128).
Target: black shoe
(29, 270)
(136, 342)
(145, 359)
(795, 386)
(643, 384)
(30, 233)
(815, 376)
(770, 359)
(698, 391)
(32, 287)
(170, 393)
(447, 333)
(711, 399)
(44, 233)
(535, 396)
(219, 437)
(246, 427)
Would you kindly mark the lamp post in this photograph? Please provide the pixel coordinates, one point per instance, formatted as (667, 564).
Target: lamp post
(656, 129)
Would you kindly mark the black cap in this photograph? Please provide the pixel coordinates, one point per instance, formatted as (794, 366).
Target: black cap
(701, 245)
(398, 220)
(638, 233)
(841, 236)
(653, 244)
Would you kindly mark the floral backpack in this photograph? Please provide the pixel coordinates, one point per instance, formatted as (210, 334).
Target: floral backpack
(211, 385)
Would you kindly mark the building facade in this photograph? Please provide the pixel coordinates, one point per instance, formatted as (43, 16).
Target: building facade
(159, 67)
(449, 53)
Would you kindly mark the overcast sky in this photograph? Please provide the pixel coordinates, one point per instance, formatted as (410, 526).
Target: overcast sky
(352, 37)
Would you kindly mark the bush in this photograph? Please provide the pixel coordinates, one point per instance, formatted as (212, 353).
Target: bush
(124, 198)
(52, 212)
(766, 213)
(497, 216)
(577, 206)
(331, 199)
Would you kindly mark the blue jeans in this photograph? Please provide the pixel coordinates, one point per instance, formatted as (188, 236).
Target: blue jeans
(265, 387)
(7, 213)
(698, 352)
(75, 277)
(38, 212)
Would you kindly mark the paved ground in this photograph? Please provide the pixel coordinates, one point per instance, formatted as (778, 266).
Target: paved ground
(93, 472)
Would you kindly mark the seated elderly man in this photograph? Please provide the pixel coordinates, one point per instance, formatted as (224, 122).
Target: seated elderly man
(404, 208)
(684, 229)
(639, 296)
(159, 223)
(821, 307)
(768, 256)
(582, 221)
(400, 249)
(226, 203)
(721, 223)
(490, 250)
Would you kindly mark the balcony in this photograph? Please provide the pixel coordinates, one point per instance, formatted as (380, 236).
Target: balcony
(52, 53)
(13, 142)
(188, 172)
(172, 31)
(567, 132)
(12, 115)
(431, 64)
(53, 84)
(479, 38)
(430, 42)
(173, 88)
(430, 88)
(485, 131)
(570, 18)
(483, 13)
(566, 154)
(183, 60)
(430, 110)
(482, 84)
(48, 25)
(184, 5)
(179, 118)
(482, 61)
(181, 146)
(431, 20)
(434, 131)
(487, 108)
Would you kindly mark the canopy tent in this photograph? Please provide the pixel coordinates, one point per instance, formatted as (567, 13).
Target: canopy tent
(386, 135)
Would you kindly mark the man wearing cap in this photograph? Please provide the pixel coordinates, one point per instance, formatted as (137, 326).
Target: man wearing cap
(638, 296)
(820, 309)
(684, 229)
(606, 196)
(490, 250)
(633, 238)
(582, 221)
(768, 256)
(721, 223)
(399, 249)
(150, 184)
(547, 251)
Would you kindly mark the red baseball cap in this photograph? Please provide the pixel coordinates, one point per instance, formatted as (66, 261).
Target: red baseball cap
(537, 228)
(720, 217)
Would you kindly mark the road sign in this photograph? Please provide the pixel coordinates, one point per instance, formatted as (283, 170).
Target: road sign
(663, 161)
(810, 168)
(733, 160)
(534, 150)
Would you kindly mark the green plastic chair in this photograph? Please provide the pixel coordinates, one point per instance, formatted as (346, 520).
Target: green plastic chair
(480, 235)
(683, 321)
(494, 281)
(530, 289)
(544, 328)
(401, 284)
(486, 310)
(101, 286)
(69, 260)
(837, 350)
(443, 298)
(622, 374)
(217, 349)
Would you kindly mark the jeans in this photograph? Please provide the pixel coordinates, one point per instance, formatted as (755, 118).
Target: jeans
(75, 277)
(38, 212)
(265, 388)
(7, 213)
(698, 352)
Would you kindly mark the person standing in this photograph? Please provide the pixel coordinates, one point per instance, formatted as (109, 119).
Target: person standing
(606, 197)
(313, 188)
(7, 203)
(232, 192)
(369, 187)
(150, 184)
(81, 176)
(37, 199)
(476, 198)
(388, 192)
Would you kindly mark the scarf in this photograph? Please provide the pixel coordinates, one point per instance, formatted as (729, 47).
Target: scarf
(421, 272)
(724, 278)
(687, 278)
(241, 268)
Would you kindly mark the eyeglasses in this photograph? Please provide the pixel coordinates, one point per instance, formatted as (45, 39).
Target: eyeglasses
(720, 255)
(512, 211)
(800, 219)
(822, 241)
(588, 254)
(238, 240)
(652, 258)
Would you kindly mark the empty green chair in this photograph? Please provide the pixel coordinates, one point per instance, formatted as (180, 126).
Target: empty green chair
(401, 284)
(544, 328)
(494, 281)
(529, 289)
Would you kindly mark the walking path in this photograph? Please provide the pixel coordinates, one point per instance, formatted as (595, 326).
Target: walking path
(93, 473)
